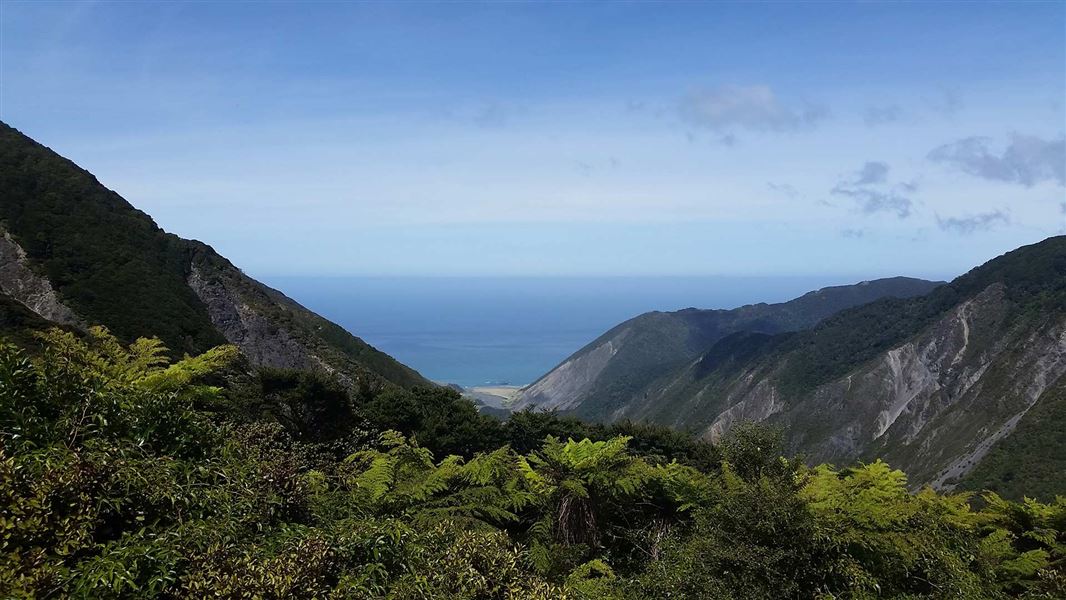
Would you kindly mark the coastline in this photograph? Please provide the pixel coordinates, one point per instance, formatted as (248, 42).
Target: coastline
(494, 396)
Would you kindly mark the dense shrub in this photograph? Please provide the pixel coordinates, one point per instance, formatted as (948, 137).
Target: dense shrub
(125, 476)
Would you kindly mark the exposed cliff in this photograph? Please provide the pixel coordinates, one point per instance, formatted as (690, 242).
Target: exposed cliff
(274, 330)
(21, 283)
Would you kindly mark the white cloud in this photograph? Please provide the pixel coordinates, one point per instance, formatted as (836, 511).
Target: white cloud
(869, 191)
(1027, 160)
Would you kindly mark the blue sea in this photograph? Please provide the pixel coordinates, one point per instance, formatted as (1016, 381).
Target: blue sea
(511, 330)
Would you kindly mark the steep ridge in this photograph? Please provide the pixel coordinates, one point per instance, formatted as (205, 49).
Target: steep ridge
(76, 253)
(620, 367)
(930, 384)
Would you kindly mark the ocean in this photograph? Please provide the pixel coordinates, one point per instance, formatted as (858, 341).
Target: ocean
(481, 331)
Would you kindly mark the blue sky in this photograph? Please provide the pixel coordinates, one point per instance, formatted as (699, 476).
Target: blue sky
(561, 139)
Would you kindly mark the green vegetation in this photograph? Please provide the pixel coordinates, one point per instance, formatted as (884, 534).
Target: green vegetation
(1033, 279)
(125, 476)
(660, 344)
(111, 264)
(958, 364)
(1032, 460)
(109, 261)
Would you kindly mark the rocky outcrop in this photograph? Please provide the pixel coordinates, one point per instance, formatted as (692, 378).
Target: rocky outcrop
(20, 282)
(260, 339)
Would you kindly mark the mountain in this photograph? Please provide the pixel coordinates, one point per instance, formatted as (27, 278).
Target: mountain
(618, 368)
(935, 384)
(75, 253)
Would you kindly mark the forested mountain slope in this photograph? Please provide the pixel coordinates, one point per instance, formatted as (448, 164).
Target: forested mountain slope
(618, 368)
(75, 252)
(930, 383)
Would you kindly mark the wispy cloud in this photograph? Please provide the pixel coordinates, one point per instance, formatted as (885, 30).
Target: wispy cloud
(872, 172)
(947, 102)
(752, 108)
(970, 224)
(1026, 160)
(783, 188)
(879, 115)
(873, 201)
(869, 190)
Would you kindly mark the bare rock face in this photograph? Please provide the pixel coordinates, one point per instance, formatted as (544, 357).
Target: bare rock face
(761, 403)
(20, 282)
(563, 386)
(263, 342)
(264, 324)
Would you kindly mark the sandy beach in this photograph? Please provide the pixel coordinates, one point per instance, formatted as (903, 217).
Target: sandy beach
(498, 396)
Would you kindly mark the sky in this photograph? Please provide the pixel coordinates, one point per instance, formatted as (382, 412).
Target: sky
(605, 139)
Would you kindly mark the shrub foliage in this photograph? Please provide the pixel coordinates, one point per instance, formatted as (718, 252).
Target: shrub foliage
(123, 475)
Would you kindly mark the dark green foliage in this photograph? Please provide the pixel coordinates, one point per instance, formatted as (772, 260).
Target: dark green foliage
(312, 405)
(441, 420)
(527, 429)
(659, 444)
(1032, 460)
(110, 262)
(757, 540)
(754, 451)
(125, 476)
(437, 418)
